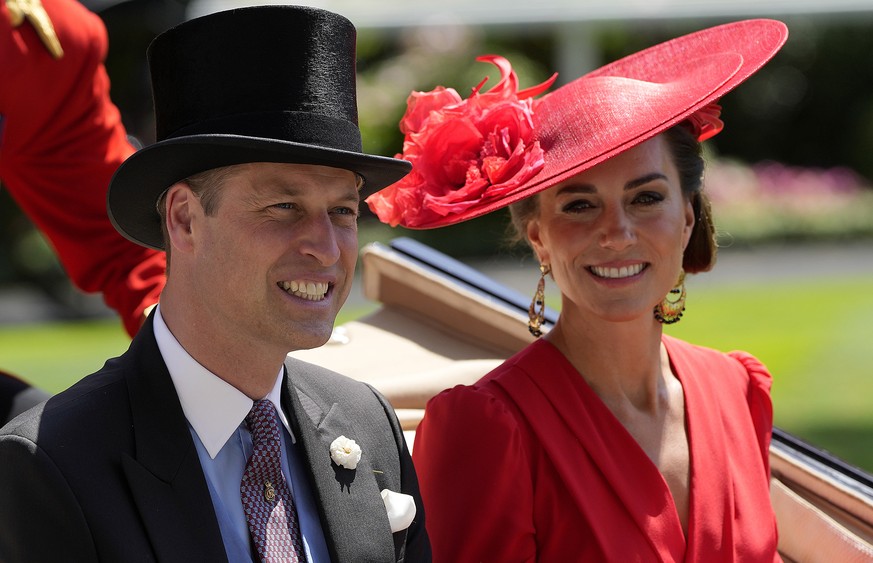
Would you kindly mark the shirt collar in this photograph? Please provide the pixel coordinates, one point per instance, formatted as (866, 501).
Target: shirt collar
(212, 406)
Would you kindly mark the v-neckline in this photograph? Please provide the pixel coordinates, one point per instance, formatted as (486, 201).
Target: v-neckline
(608, 415)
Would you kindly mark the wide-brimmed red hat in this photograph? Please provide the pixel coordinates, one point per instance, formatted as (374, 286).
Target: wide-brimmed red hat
(477, 155)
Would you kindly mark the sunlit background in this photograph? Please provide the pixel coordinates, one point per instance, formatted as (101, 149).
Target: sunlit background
(790, 179)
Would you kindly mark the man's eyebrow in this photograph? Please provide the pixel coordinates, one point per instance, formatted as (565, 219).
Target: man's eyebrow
(284, 187)
(352, 195)
(350, 199)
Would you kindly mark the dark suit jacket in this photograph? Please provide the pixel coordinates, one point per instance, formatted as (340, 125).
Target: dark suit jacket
(107, 470)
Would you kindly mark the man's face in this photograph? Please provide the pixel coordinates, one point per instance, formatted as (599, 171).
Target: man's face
(275, 260)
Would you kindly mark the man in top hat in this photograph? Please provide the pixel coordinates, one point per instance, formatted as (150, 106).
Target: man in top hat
(204, 442)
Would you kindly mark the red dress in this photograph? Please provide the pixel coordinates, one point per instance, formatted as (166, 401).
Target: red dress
(61, 139)
(528, 464)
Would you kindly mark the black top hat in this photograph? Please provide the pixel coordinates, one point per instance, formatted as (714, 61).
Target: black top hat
(261, 84)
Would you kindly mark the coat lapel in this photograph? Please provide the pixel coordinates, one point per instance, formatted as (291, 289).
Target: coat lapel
(165, 476)
(353, 516)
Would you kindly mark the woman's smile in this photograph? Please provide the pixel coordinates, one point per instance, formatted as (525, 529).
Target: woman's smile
(618, 272)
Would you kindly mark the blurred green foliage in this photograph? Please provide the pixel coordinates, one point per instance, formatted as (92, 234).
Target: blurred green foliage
(812, 106)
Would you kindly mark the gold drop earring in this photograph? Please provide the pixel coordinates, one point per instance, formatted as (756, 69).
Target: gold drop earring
(537, 308)
(670, 310)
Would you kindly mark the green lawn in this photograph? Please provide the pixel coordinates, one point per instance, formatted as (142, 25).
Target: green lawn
(816, 337)
(54, 355)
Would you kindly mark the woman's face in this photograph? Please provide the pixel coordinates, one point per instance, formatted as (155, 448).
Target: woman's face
(614, 235)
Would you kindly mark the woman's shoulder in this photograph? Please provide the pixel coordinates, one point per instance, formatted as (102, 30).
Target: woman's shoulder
(737, 373)
(468, 417)
(736, 381)
(481, 398)
(736, 361)
(759, 375)
(523, 365)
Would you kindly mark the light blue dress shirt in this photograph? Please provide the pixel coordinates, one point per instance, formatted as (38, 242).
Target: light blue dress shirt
(216, 411)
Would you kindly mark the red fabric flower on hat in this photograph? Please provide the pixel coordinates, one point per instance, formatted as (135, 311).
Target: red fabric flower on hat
(463, 152)
(706, 122)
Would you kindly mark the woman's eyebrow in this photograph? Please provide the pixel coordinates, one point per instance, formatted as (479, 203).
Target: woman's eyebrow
(630, 185)
(642, 181)
(577, 189)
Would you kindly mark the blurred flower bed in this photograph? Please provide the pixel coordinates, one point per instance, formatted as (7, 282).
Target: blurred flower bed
(770, 201)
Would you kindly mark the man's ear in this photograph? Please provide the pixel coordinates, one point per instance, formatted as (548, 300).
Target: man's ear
(183, 208)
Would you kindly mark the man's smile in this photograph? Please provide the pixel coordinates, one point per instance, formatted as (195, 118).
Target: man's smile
(311, 290)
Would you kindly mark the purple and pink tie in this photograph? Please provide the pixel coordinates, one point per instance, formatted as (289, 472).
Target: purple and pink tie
(266, 497)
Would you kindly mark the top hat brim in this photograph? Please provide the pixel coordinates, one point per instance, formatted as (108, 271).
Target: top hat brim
(140, 180)
(627, 102)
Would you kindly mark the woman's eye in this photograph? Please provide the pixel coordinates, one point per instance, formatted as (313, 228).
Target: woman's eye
(345, 211)
(284, 205)
(576, 206)
(647, 198)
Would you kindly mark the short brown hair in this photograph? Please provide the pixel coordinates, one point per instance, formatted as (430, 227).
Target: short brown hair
(206, 186)
(700, 255)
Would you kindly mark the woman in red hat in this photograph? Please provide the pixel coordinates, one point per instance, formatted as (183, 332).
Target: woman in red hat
(604, 440)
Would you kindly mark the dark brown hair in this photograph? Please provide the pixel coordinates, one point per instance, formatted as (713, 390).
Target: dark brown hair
(700, 255)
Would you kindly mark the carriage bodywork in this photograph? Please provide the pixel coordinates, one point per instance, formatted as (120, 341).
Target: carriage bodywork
(441, 323)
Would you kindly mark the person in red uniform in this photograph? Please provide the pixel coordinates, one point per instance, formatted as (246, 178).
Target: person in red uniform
(606, 439)
(61, 139)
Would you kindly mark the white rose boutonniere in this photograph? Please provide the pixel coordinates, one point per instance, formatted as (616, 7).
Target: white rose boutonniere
(345, 452)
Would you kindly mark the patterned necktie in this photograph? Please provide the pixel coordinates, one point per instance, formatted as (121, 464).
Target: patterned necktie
(266, 498)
